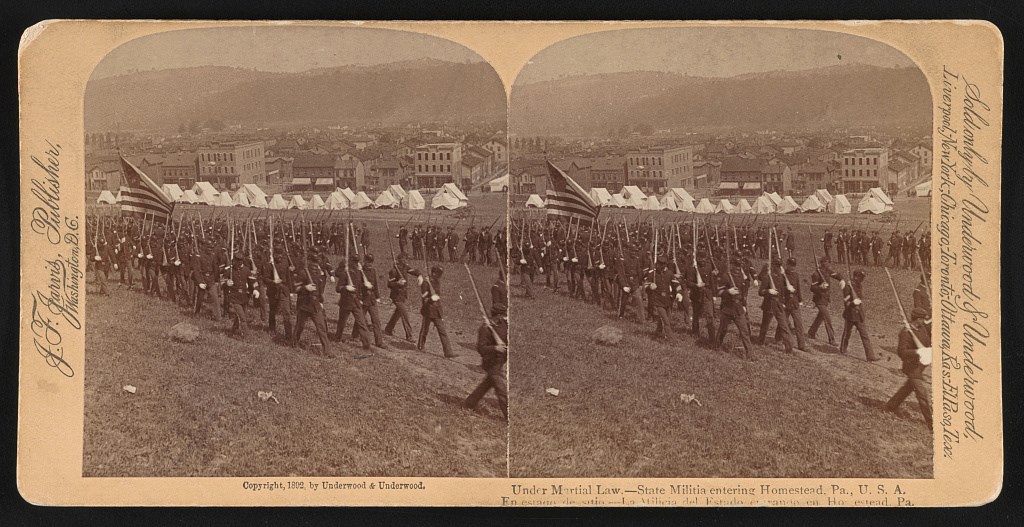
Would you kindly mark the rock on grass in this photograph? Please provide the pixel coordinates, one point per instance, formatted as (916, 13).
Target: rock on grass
(607, 335)
(184, 332)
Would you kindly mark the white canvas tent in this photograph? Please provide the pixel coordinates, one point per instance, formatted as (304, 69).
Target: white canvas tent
(457, 196)
(725, 206)
(298, 202)
(189, 196)
(223, 200)
(316, 202)
(839, 205)
(871, 204)
(336, 201)
(823, 196)
(204, 189)
(681, 196)
(277, 203)
(347, 194)
(254, 192)
(787, 205)
(668, 202)
(535, 202)
(924, 189)
(241, 198)
(617, 201)
(743, 206)
(705, 207)
(385, 201)
(260, 202)
(880, 196)
(498, 184)
(651, 203)
(414, 201)
(106, 197)
(397, 192)
(774, 196)
(361, 201)
(763, 205)
(633, 196)
(601, 196)
(443, 200)
(812, 204)
(172, 191)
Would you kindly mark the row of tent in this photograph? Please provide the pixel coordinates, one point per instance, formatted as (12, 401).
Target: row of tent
(249, 195)
(875, 201)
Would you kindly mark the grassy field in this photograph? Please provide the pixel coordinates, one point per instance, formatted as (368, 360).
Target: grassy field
(196, 410)
(619, 411)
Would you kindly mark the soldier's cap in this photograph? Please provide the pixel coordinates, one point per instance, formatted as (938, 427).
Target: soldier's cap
(499, 310)
(436, 270)
(353, 259)
(791, 261)
(858, 274)
(662, 259)
(919, 313)
(368, 258)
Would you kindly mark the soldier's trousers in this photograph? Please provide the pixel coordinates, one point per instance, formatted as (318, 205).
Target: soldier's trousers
(441, 332)
(703, 308)
(213, 293)
(495, 379)
(526, 281)
(660, 316)
(742, 327)
(797, 328)
(778, 314)
(862, 328)
(127, 275)
(920, 389)
(237, 315)
(359, 329)
(371, 309)
(280, 305)
(153, 277)
(400, 314)
(101, 279)
(319, 325)
(823, 317)
(551, 277)
(636, 299)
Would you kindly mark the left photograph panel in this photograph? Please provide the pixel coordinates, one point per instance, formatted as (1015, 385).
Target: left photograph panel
(296, 247)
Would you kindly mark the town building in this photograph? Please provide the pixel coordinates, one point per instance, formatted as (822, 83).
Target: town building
(659, 168)
(439, 163)
(741, 176)
(608, 172)
(312, 171)
(865, 168)
(229, 165)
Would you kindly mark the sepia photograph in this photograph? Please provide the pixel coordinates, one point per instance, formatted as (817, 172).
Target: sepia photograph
(296, 251)
(720, 257)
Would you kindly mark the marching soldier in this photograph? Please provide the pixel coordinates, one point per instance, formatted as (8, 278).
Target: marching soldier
(279, 296)
(662, 287)
(913, 368)
(733, 292)
(399, 288)
(237, 295)
(853, 316)
(820, 296)
(433, 312)
(371, 297)
(791, 300)
(310, 306)
(490, 344)
(773, 305)
(350, 291)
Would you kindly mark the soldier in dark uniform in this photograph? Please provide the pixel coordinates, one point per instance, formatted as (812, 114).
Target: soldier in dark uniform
(895, 249)
(499, 290)
(661, 289)
(483, 245)
(790, 242)
(910, 353)
(820, 296)
(791, 300)
(417, 243)
(104, 259)
(237, 295)
(403, 239)
(773, 305)
(853, 315)
(399, 288)
(469, 245)
(279, 295)
(733, 292)
(876, 249)
(371, 297)
(922, 299)
(432, 311)
(552, 259)
(491, 342)
(827, 244)
(310, 306)
(364, 238)
(702, 285)
(350, 303)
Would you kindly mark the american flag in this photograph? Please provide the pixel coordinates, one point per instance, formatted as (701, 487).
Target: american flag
(567, 199)
(142, 195)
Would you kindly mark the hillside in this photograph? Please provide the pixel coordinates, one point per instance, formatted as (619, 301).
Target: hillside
(856, 95)
(394, 93)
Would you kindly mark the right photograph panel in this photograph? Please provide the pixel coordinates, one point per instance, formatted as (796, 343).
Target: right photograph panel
(719, 257)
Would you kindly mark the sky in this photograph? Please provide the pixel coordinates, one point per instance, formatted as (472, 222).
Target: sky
(277, 49)
(706, 52)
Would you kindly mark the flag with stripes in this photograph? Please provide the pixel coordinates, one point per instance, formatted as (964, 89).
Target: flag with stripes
(141, 195)
(567, 199)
